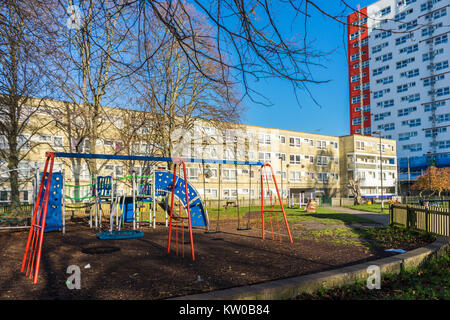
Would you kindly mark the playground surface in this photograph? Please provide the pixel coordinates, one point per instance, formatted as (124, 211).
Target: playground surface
(142, 269)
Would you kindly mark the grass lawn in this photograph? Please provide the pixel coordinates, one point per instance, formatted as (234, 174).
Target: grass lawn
(379, 237)
(323, 215)
(430, 281)
(371, 207)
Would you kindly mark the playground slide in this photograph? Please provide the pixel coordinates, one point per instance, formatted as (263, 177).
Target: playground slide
(163, 186)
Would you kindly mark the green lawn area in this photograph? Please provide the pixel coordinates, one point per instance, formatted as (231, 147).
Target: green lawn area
(371, 207)
(430, 281)
(323, 215)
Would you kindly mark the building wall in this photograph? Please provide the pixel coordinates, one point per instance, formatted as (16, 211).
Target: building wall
(361, 161)
(313, 164)
(408, 73)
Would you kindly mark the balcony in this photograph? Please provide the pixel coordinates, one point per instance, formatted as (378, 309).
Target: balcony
(372, 166)
(369, 182)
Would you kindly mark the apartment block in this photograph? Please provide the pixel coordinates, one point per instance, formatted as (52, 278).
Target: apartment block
(361, 161)
(303, 163)
(399, 80)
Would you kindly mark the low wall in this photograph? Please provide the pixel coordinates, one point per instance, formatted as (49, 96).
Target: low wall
(292, 287)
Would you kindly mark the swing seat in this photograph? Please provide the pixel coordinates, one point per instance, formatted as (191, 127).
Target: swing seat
(120, 235)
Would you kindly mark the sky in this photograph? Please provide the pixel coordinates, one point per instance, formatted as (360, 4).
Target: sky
(332, 116)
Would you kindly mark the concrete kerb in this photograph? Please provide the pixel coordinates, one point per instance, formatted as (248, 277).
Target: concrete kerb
(291, 287)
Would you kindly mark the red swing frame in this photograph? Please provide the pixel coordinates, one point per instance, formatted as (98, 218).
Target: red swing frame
(33, 250)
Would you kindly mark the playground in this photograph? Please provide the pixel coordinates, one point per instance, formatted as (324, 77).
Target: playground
(125, 250)
(142, 268)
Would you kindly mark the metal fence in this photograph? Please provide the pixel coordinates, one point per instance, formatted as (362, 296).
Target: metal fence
(432, 219)
(19, 217)
(433, 201)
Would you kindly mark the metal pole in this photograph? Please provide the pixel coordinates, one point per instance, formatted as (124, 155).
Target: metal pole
(63, 202)
(381, 177)
(154, 196)
(133, 191)
(281, 177)
(409, 182)
(96, 201)
(35, 189)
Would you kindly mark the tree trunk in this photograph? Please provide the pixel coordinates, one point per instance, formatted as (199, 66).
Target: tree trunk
(76, 168)
(13, 164)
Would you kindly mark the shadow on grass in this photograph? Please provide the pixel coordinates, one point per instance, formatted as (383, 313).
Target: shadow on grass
(328, 218)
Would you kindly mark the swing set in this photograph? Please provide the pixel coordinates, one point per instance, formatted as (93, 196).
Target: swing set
(191, 209)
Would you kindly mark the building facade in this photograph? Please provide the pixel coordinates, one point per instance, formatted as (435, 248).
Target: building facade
(399, 78)
(363, 161)
(305, 164)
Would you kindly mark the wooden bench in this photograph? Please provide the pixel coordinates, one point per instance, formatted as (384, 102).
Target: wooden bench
(230, 203)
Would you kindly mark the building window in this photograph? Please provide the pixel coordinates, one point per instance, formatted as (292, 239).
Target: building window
(431, 81)
(229, 174)
(263, 138)
(295, 159)
(192, 173)
(438, 66)
(380, 70)
(264, 156)
(403, 39)
(412, 123)
(212, 193)
(384, 57)
(280, 155)
(410, 73)
(379, 47)
(406, 111)
(434, 132)
(411, 98)
(404, 63)
(295, 176)
(294, 142)
(413, 147)
(433, 106)
(322, 160)
(408, 25)
(321, 145)
(381, 116)
(359, 145)
(322, 177)
(436, 14)
(405, 136)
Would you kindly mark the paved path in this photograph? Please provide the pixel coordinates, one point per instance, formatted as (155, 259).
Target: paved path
(377, 217)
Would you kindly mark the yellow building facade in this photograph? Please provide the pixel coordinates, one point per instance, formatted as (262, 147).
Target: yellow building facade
(305, 164)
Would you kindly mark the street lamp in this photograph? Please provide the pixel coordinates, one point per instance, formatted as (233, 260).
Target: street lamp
(381, 170)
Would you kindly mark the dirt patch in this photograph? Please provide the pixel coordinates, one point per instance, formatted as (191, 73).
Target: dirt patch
(142, 268)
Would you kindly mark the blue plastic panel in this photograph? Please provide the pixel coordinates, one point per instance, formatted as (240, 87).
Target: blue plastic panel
(120, 235)
(53, 219)
(128, 212)
(104, 186)
(163, 185)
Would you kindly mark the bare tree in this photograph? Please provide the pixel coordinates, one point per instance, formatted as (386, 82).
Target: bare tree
(266, 39)
(248, 31)
(175, 93)
(87, 67)
(21, 62)
(356, 191)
